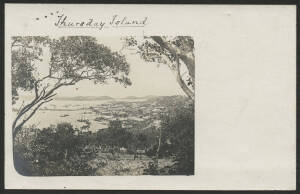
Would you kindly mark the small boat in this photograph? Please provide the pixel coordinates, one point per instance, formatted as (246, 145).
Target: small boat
(65, 115)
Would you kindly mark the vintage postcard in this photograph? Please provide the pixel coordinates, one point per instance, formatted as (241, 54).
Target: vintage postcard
(193, 97)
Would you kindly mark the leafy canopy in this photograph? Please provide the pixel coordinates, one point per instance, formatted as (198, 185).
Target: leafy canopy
(72, 59)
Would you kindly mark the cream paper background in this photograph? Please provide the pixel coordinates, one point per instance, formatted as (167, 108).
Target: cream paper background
(245, 92)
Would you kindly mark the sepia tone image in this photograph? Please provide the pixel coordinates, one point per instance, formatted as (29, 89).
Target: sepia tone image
(103, 106)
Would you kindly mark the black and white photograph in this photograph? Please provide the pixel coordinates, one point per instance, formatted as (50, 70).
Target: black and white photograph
(150, 97)
(94, 106)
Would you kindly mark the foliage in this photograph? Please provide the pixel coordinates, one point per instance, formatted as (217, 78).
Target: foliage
(177, 128)
(178, 135)
(72, 59)
(87, 124)
(25, 52)
(116, 135)
(54, 151)
(62, 150)
(81, 57)
(151, 51)
(152, 169)
(175, 52)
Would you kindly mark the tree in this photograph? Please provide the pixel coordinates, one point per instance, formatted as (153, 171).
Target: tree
(25, 51)
(176, 52)
(178, 137)
(72, 59)
(54, 151)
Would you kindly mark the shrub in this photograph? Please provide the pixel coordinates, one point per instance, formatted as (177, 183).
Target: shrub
(54, 151)
(177, 128)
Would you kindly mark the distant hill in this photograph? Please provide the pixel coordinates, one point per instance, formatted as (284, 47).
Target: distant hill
(85, 98)
(142, 97)
(150, 96)
(95, 98)
(130, 97)
(168, 99)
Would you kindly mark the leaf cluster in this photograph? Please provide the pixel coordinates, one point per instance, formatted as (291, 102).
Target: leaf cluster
(81, 57)
(55, 151)
(25, 52)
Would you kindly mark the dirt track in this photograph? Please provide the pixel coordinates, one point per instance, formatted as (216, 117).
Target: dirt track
(123, 164)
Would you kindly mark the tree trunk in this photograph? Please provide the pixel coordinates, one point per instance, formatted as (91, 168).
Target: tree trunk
(39, 102)
(189, 61)
(158, 149)
(182, 84)
(40, 98)
(159, 143)
(66, 154)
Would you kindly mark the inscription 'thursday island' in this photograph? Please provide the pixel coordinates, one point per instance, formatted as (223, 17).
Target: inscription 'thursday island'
(115, 21)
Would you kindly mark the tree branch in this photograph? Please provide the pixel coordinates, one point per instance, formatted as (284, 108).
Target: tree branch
(16, 129)
(189, 61)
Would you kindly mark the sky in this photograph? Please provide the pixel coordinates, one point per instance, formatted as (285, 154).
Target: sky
(147, 78)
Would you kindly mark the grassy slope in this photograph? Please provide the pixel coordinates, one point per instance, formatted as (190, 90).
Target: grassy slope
(124, 164)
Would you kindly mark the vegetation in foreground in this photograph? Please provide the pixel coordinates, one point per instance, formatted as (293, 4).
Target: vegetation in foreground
(62, 150)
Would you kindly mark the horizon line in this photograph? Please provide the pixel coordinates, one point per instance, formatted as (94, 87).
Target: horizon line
(106, 96)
